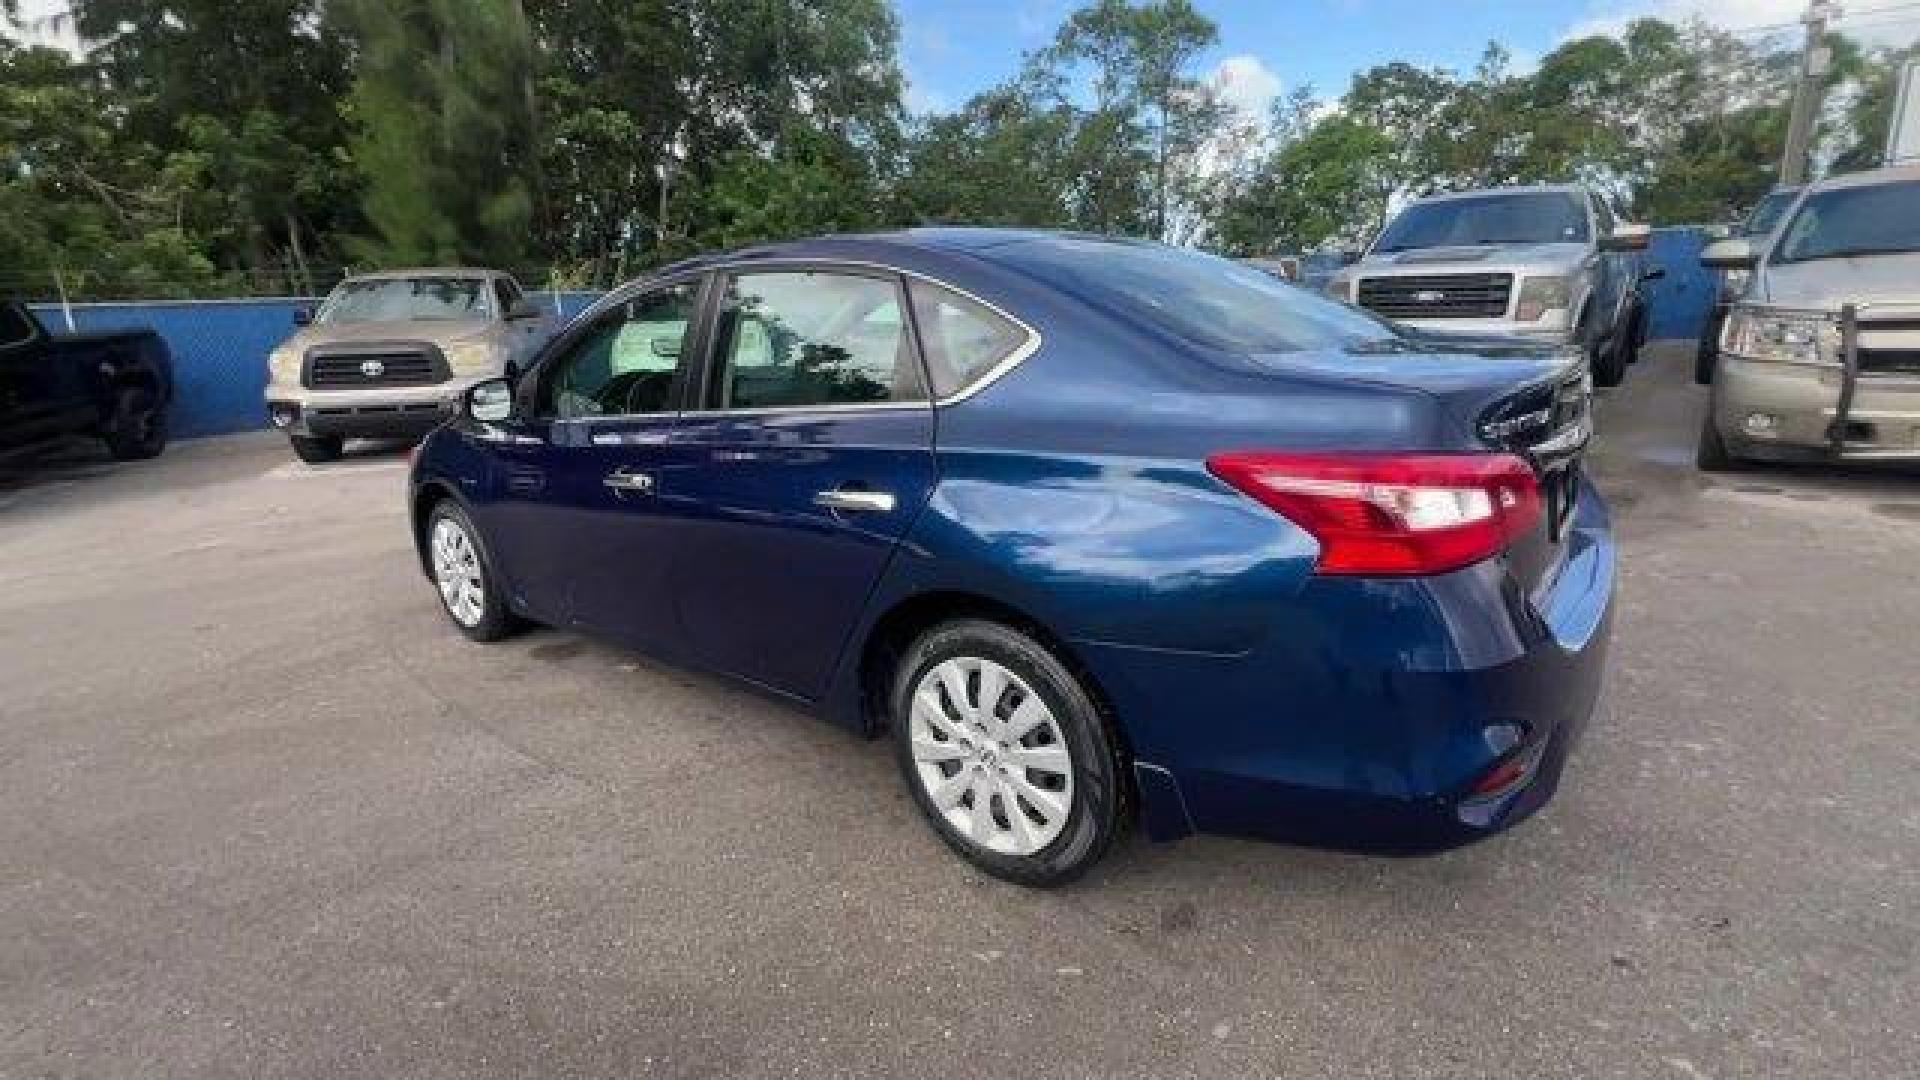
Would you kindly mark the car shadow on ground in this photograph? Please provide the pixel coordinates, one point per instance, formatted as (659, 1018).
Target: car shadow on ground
(53, 468)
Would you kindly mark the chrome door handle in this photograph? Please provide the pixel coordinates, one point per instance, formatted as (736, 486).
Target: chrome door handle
(637, 482)
(856, 500)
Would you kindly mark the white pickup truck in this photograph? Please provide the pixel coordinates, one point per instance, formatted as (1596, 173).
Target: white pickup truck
(1552, 264)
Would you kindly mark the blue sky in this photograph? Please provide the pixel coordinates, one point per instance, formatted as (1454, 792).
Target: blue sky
(953, 48)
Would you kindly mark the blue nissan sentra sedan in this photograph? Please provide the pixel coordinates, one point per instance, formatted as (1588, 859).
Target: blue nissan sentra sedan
(1101, 531)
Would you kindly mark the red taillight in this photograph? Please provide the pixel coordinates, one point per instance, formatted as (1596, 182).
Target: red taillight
(1393, 514)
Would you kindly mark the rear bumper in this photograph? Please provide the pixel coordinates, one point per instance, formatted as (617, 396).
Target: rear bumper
(1800, 403)
(1370, 712)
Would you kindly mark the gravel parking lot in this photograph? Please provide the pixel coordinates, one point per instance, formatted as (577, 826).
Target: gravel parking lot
(263, 813)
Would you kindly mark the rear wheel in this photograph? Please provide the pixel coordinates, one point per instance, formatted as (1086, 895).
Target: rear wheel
(138, 428)
(316, 449)
(1006, 753)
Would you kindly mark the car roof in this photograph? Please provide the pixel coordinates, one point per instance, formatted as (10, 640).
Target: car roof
(888, 248)
(1890, 175)
(427, 272)
(1518, 189)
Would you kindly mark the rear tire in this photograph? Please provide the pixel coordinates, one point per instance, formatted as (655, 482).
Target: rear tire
(317, 449)
(1006, 753)
(138, 428)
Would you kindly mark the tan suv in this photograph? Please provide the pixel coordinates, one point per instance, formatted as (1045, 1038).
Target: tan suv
(388, 355)
(1820, 356)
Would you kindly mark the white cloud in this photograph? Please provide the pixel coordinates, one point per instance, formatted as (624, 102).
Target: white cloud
(1780, 17)
(44, 22)
(1245, 82)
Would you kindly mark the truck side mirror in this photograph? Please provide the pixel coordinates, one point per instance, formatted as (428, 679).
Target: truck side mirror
(523, 310)
(1728, 255)
(303, 316)
(1628, 236)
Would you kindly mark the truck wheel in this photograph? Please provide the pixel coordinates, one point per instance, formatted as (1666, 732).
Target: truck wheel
(1712, 455)
(316, 449)
(1608, 364)
(138, 428)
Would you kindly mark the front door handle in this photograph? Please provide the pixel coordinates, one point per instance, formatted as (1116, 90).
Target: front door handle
(856, 500)
(637, 482)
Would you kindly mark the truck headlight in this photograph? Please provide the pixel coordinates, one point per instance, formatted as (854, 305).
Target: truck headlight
(1786, 337)
(1540, 295)
(283, 365)
(472, 358)
(1734, 285)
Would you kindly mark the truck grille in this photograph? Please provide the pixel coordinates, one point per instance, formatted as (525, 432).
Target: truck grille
(1890, 361)
(353, 369)
(1438, 296)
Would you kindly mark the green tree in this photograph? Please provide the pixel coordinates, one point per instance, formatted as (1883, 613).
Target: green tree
(445, 130)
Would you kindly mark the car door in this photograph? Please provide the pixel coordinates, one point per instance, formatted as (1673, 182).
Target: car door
(575, 522)
(809, 450)
(42, 391)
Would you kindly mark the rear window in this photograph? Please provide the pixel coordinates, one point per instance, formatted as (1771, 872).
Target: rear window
(1209, 301)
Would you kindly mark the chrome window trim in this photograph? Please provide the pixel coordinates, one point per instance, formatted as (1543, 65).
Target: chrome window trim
(1034, 339)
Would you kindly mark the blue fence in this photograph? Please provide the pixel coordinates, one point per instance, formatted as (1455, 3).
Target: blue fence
(220, 349)
(1681, 300)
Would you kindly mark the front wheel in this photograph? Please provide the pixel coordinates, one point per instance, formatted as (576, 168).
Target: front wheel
(1604, 356)
(1006, 753)
(317, 449)
(469, 589)
(1712, 454)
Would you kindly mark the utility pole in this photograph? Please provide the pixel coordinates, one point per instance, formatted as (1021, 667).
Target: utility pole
(1806, 95)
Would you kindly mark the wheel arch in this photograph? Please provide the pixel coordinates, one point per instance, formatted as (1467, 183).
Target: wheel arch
(426, 495)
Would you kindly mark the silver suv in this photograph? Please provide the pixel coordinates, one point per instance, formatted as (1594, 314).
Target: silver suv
(388, 355)
(1820, 357)
(1552, 264)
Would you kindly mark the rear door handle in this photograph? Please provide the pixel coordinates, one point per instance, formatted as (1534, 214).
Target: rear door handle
(637, 482)
(856, 500)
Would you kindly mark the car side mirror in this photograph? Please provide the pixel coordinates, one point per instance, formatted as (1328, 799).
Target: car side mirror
(1628, 236)
(1728, 255)
(303, 316)
(489, 401)
(523, 310)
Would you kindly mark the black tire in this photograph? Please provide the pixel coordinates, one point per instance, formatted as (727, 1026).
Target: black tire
(1604, 355)
(1712, 454)
(1703, 361)
(494, 619)
(1097, 801)
(317, 449)
(138, 428)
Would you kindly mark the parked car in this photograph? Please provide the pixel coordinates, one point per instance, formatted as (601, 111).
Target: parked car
(1284, 267)
(1190, 541)
(1552, 264)
(1820, 357)
(387, 355)
(1732, 283)
(112, 386)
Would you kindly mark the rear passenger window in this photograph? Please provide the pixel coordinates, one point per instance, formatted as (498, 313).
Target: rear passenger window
(963, 339)
(795, 340)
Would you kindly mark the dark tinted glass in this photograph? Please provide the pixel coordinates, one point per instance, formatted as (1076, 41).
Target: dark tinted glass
(1881, 219)
(793, 340)
(1768, 214)
(963, 340)
(1530, 217)
(15, 327)
(624, 364)
(1206, 300)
